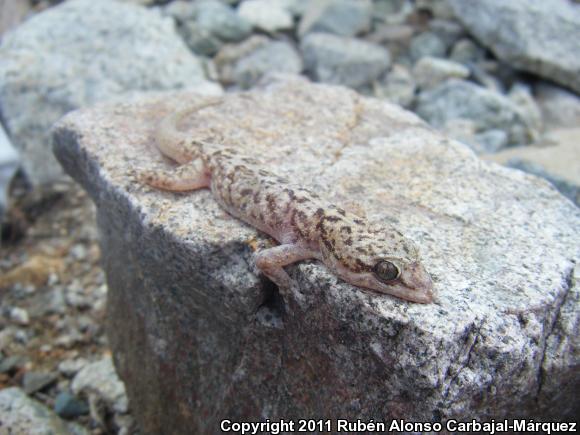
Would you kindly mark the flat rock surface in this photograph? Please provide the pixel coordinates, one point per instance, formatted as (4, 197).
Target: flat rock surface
(198, 335)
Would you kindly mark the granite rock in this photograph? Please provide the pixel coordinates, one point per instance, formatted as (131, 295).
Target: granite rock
(466, 51)
(431, 71)
(521, 96)
(198, 335)
(68, 406)
(449, 31)
(398, 86)
(427, 44)
(273, 57)
(20, 414)
(9, 162)
(392, 11)
(221, 20)
(99, 379)
(438, 8)
(347, 61)
(559, 107)
(340, 17)
(227, 59)
(459, 99)
(78, 53)
(266, 15)
(539, 36)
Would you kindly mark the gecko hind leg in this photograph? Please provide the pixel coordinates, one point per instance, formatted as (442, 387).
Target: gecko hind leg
(190, 176)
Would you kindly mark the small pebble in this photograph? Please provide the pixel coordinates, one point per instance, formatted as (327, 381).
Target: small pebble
(19, 316)
(68, 406)
(70, 367)
(37, 381)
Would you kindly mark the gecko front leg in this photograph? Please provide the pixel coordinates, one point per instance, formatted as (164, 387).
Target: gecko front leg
(272, 261)
(190, 176)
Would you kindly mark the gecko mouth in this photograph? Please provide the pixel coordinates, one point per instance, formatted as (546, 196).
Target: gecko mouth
(422, 295)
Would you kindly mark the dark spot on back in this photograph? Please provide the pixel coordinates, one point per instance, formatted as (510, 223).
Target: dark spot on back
(331, 218)
(328, 245)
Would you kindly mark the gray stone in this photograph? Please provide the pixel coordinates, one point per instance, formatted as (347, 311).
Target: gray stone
(19, 316)
(398, 86)
(221, 21)
(51, 301)
(267, 15)
(427, 44)
(230, 55)
(490, 141)
(458, 99)
(99, 379)
(465, 131)
(78, 53)
(140, 2)
(180, 10)
(438, 8)
(467, 52)
(539, 36)
(68, 406)
(9, 162)
(340, 17)
(11, 363)
(198, 335)
(274, 57)
(521, 95)
(20, 414)
(431, 71)
(485, 73)
(394, 37)
(200, 40)
(393, 11)
(388, 33)
(346, 61)
(37, 381)
(449, 31)
(560, 108)
(70, 367)
(206, 25)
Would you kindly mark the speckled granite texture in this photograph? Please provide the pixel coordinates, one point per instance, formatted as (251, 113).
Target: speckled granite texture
(199, 336)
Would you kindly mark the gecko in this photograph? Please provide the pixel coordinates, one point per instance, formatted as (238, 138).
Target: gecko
(373, 256)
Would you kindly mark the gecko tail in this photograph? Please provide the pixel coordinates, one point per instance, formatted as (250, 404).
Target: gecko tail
(175, 143)
(187, 177)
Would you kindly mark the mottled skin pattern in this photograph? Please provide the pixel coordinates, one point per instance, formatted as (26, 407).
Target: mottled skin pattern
(375, 257)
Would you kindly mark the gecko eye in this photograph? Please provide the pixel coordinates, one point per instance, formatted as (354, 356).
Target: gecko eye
(386, 271)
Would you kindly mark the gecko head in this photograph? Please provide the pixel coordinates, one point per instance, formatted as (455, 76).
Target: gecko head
(378, 258)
